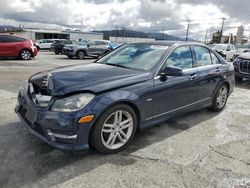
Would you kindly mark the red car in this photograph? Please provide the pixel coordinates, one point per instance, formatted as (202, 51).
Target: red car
(13, 46)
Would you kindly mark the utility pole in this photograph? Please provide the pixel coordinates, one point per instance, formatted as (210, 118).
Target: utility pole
(205, 37)
(187, 29)
(163, 36)
(222, 27)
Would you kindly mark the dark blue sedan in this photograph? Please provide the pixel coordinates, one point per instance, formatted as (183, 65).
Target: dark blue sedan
(135, 86)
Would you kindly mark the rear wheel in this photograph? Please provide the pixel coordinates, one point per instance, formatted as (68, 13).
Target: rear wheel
(114, 130)
(56, 52)
(80, 55)
(70, 57)
(220, 98)
(25, 55)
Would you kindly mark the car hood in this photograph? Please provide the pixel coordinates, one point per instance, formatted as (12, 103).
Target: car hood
(245, 55)
(92, 77)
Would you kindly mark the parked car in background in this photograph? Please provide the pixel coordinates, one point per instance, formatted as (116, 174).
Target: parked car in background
(242, 66)
(13, 46)
(227, 51)
(45, 43)
(137, 85)
(240, 49)
(95, 48)
(57, 46)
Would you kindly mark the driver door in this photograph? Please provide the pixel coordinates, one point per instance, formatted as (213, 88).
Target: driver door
(176, 93)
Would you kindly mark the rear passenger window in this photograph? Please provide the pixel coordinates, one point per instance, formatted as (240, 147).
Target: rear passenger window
(181, 57)
(215, 59)
(201, 56)
(99, 43)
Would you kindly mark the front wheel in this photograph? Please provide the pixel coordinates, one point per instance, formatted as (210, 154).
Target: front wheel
(80, 55)
(114, 130)
(25, 55)
(220, 99)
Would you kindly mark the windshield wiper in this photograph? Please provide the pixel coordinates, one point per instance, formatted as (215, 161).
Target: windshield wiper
(116, 65)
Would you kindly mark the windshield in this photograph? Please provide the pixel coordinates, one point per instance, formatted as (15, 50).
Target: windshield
(135, 56)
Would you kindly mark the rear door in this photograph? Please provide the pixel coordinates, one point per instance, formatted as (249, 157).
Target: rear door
(91, 48)
(209, 72)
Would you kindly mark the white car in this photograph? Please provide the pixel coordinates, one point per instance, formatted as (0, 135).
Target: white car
(45, 43)
(227, 51)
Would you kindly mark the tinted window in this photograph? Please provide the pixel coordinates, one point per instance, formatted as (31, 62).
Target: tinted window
(215, 60)
(12, 39)
(1, 38)
(99, 43)
(181, 57)
(201, 56)
(91, 43)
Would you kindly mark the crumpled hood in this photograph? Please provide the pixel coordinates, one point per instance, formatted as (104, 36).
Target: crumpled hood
(92, 77)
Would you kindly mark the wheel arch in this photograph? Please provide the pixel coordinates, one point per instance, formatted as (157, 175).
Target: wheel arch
(19, 54)
(126, 102)
(219, 85)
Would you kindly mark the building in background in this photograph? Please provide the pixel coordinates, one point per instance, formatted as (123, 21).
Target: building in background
(36, 34)
(230, 39)
(239, 35)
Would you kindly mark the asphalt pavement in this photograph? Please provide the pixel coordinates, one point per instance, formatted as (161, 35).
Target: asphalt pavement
(201, 149)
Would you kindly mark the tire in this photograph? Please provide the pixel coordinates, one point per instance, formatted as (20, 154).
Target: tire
(220, 98)
(25, 55)
(56, 52)
(238, 79)
(70, 57)
(80, 55)
(108, 135)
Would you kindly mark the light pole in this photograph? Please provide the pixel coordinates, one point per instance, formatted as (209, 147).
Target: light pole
(187, 30)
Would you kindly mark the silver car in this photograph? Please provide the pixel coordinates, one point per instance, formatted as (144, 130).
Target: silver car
(82, 49)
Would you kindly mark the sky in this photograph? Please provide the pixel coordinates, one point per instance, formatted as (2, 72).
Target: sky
(142, 15)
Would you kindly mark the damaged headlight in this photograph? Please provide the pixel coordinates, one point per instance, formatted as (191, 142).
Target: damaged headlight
(72, 103)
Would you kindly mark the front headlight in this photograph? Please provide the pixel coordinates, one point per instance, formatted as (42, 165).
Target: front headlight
(72, 103)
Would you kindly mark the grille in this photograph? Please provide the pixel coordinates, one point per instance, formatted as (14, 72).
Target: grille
(244, 67)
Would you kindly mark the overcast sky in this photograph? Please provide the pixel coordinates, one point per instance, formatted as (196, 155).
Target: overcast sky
(143, 15)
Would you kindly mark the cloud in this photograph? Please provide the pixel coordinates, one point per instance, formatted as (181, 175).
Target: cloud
(147, 15)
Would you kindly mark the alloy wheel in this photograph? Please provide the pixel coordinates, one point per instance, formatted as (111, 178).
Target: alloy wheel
(222, 97)
(25, 55)
(117, 129)
(81, 55)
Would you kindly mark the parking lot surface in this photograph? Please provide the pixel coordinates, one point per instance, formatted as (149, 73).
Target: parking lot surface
(201, 149)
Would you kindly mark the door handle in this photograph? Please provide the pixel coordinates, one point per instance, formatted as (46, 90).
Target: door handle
(217, 69)
(192, 76)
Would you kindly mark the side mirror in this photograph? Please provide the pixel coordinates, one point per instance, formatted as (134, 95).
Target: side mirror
(88, 45)
(171, 71)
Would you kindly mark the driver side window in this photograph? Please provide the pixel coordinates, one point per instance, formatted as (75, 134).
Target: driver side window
(181, 58)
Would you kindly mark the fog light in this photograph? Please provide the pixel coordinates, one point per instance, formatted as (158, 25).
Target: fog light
(86, 119)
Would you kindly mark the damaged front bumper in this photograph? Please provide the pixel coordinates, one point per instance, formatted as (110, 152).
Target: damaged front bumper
(58, 129)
